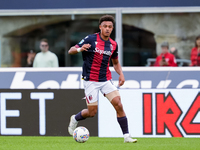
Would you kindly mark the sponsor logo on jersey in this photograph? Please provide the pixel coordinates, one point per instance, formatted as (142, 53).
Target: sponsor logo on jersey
(97, 50)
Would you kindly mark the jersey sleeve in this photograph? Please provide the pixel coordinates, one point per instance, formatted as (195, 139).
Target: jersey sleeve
(115, 53)
(86, 40)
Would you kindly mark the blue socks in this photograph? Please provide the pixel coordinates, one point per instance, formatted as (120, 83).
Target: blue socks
(121, 120)
(79, 117)
(123, 124)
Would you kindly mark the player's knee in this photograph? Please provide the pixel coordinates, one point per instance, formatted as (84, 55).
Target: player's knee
(93, 113)
(117, 103)
(119, 106)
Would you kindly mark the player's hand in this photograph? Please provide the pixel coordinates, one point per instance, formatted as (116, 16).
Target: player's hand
(121, 80)
(85, 47)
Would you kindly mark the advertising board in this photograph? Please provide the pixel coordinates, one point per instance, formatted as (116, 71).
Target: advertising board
(41, 112)
(70, 78)
(159, 102)
(154, 113)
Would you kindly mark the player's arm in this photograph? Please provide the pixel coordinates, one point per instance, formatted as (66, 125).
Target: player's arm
(74, 50)
(118, 69)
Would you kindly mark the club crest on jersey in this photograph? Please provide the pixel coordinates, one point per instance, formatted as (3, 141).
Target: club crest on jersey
(111, 47)
(90, 97)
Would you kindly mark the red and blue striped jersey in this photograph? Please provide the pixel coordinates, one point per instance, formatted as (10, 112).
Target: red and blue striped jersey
(96, 59)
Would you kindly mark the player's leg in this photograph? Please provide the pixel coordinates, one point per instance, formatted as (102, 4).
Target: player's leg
(89, 112)
(91, 94)
(113, 96)
(115, 100)
(121, 116)
(85, 113)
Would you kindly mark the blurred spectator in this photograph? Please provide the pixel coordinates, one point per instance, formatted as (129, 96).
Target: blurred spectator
(165, 58)
(30, 57)
(180, 62)
(45, 58)
(174, 51)
(195, 53)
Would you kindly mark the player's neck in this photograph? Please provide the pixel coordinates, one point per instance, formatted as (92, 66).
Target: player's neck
(105, 38)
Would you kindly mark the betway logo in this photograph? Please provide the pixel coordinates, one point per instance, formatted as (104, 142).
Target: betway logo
(163, 84)
(71, 82)
(74, 81)
(97, 50)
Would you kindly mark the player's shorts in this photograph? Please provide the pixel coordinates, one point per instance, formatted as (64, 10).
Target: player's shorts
(92, 90)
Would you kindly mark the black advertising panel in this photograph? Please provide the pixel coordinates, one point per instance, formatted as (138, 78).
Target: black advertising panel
(42, 112)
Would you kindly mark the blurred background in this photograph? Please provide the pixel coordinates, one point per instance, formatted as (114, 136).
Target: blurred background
(141, 27)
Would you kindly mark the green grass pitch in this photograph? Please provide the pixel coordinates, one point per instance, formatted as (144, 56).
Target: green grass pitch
(96, 143)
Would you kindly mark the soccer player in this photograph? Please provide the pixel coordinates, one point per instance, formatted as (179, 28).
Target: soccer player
(97, 50)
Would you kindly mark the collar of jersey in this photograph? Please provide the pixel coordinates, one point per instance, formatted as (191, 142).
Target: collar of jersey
(103, 39)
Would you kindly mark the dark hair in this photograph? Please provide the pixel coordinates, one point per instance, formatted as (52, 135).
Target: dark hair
(107, 18)
(198, 37)
(44, 40)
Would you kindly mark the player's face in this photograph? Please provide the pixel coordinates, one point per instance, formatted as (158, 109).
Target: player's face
(44, 46)
(164, 50)
(106, 28)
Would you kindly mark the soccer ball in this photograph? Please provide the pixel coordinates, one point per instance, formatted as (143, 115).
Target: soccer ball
(81, 134)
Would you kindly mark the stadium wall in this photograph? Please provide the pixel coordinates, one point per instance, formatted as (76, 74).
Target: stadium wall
(167, 21)
(159, 102)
